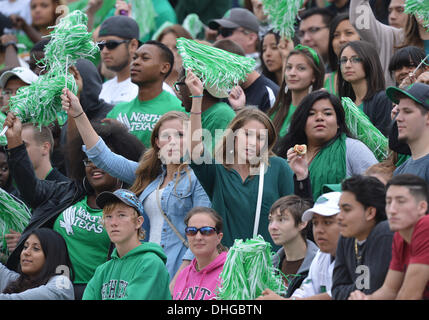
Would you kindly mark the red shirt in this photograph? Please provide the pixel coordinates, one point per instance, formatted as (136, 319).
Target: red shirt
(417, 251)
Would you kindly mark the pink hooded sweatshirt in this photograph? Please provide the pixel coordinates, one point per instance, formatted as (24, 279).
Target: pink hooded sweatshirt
(194, 285)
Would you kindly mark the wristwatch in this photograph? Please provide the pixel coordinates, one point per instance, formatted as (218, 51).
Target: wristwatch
(10, 43)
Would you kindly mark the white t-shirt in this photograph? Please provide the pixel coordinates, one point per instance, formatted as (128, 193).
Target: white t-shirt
(18, 7)
(114, 92)
(319, 279)
(155, 216)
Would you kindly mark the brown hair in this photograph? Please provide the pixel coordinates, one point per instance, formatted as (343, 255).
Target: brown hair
(150, 166)
(41, 135)
(281, 106)
(177, 30)
(223, 149)
(108, 208)
(411, 34)
(296, 206)
(384, 169)
(214, 216)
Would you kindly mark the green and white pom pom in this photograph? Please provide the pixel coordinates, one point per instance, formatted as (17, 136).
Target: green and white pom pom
(193, 24)
(248, 270)
(144, 14)
(219, 70)
(40, 102)
(14, 215)
(3, 139)
(362, 129)
(420, 8)
(282, 15)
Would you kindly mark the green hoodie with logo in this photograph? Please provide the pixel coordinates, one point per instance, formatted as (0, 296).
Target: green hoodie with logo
(139, 275)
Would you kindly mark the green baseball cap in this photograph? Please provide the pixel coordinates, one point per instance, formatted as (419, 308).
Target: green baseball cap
(418, 92)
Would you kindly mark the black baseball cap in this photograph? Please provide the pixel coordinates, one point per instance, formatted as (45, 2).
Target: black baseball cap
(418, 92)
(123, 195)
(235, 18)
(120, 26)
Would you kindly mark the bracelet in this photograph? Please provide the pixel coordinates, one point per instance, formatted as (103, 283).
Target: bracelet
(78, 115)
(191, 112)
(196, 96)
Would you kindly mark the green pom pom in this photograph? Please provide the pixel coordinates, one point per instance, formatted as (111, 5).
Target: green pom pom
(144, 14)
(420, 8)
(362, 129)
(282, 15)
(3, 139)
(193, 24)
(219, 70)
(248, 270)
(40, 102)
(14, 215)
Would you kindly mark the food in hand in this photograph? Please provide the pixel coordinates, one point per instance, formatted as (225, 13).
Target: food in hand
(300, 149)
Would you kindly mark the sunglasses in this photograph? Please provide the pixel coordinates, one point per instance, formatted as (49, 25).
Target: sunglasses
(205, 231)
(111, 44)
(226, 32)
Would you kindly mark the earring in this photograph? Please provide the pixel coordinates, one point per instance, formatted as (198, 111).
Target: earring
(286, 89)
(310, 88)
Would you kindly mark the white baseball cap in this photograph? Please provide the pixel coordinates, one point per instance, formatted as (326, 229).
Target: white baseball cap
(22, 73)
(326, 205)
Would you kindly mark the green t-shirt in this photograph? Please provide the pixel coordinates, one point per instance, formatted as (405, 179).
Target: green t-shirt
(100, 15)
(218, 116)
(329, 83)
(87, 241)
(141, 116)
(235, 200)
(285, 126)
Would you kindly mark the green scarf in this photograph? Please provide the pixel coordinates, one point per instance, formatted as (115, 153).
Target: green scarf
(328, 166)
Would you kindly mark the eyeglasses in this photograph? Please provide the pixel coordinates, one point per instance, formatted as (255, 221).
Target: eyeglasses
(205, 231)
(111, 44)
(177, 85)
(87, 162)
(353, 60)
(311, 31)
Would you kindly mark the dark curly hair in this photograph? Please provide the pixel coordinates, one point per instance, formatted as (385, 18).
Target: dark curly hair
(116, 137)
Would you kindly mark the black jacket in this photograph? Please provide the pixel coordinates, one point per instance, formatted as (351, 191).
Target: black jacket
(376, 253)
(378, 110)
(47, 198)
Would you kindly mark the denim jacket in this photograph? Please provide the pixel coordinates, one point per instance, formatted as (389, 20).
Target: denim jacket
(176, 201)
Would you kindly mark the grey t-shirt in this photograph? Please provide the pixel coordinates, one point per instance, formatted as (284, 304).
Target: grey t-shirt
(358, 157)
(419, 167)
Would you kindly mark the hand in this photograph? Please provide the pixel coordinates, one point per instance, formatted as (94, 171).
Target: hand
(210, 34)
(12, 240)
(71, 103)
(94, 6)
(285, 46)
(423, 78)
(268, 294)
(8, 38)
(358, 295)
(17, 21)
(408, 80)
(194, 84)
(298, 164)
(394, 112)
(122, 5)
(13, 134)
(237, 98)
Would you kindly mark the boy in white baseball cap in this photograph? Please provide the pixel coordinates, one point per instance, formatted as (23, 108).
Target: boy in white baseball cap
(12, 80)
(317, 285)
